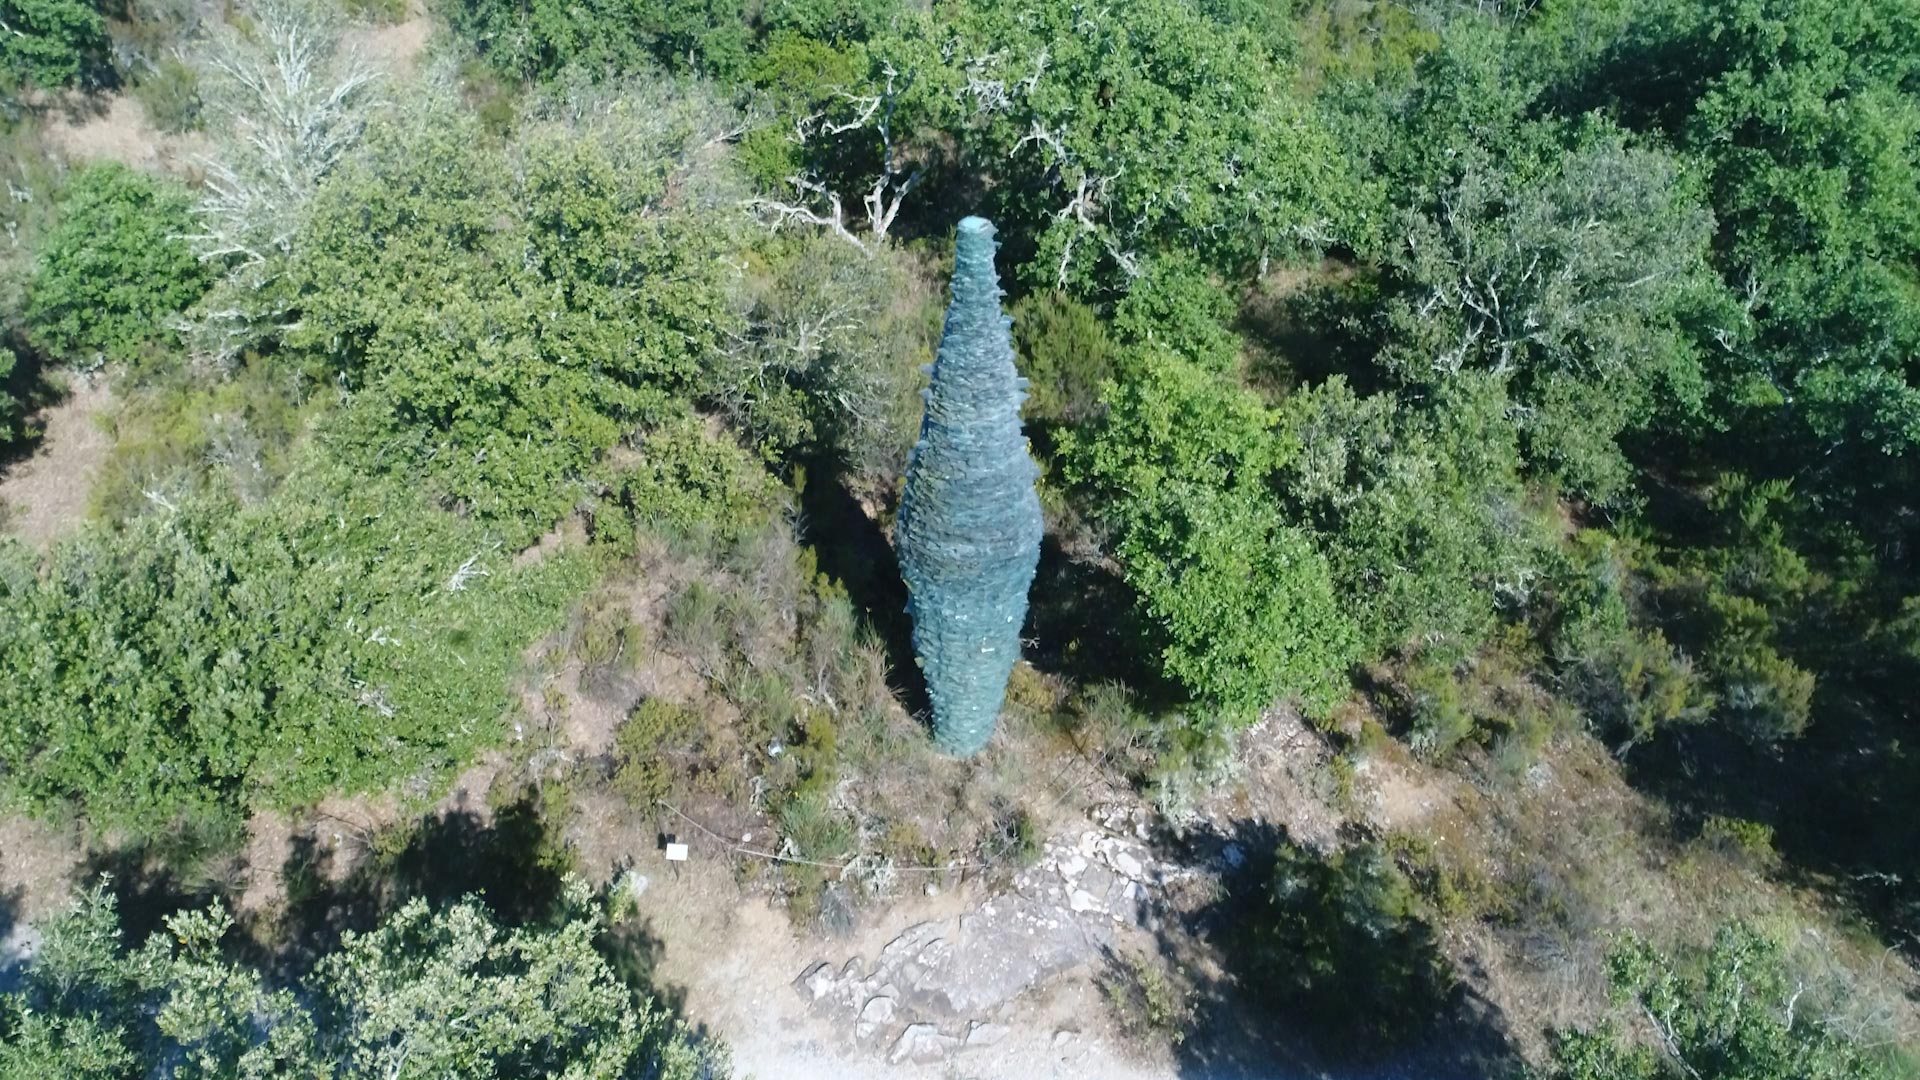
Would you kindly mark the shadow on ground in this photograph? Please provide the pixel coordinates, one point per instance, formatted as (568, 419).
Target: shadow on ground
(11, 961)
(512, 860)
(1308, 967)
(853, 550)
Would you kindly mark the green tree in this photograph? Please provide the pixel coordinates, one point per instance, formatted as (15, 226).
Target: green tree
(1585, 283)
(115, 267)
(504, 319)
(426, 994)
(969, 526)
(1419, 510)
(1805, 118)
(605, 37)
(48, 44)
(1112, 134)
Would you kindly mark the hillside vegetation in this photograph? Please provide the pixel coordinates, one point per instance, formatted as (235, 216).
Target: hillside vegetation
(1524, 397)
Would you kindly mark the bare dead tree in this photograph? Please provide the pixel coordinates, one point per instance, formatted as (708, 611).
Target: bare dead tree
(820, 206)
(289, 101)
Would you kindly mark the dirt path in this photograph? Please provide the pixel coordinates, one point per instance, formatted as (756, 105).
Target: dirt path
(957, 985)
(45, 496)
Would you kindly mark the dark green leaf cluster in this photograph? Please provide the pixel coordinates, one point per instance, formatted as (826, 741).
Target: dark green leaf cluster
(115, 268)
(50, 44)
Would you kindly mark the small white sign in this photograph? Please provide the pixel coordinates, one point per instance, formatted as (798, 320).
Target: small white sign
(676, 853)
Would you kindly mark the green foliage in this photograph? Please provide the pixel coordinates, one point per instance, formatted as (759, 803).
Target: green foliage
(1244, 602)
(1736, 1020)
(338, 636)
(1241, 604)
(1174, 304)
(829, 365)
(1344, 940)
(1629, 678)
(1418, 510)
(507, 318)
(237, 436)
(1177, 126)
(12, 410)
(49, 44)
(1749, 841)
(604, 37)
(1581, 286)
(115, 267)
(1738, 602)
(828, 20)
(1816, 207)
(1065, 355)
(682, 479)
(1148, 1003)
(170, 93)
(447, 993)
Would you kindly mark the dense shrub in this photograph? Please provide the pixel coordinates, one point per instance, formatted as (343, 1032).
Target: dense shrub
(681, 478)
(1240, 602)
(1419, 510)
(605, 37)
(830, 359)
(115, 268)
(341, 635)
(505, 319)
(1065, 354)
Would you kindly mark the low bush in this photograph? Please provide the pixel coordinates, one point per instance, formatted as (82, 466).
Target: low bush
(1735, 1020)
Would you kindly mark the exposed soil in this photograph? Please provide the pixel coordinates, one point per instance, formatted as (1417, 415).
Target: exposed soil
(116, 128)
(396, 47)
(45, 496)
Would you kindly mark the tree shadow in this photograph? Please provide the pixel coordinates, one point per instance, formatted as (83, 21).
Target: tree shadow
(12, 965)
(510, 861)
(853, 550)
(1855, 762)
(28, 385)
(1316, 979)
(634, 952)
(149, 886)
(1309, 333)
(1082, 624)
